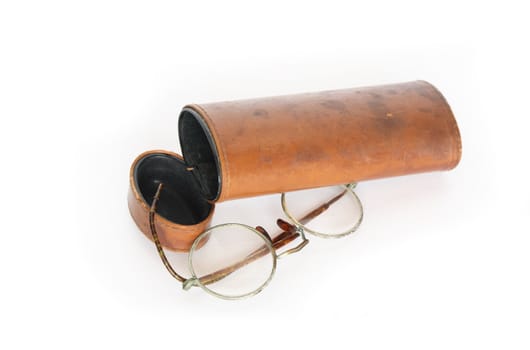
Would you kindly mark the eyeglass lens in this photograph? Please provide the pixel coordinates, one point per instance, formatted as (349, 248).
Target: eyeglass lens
(341, 212)
(232, 260)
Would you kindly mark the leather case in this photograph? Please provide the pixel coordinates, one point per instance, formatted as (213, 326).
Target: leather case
(279, 144)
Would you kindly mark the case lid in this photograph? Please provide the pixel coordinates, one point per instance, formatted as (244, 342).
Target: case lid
(182, 210)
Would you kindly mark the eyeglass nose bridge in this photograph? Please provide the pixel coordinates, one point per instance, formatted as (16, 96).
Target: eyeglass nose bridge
(300, 231)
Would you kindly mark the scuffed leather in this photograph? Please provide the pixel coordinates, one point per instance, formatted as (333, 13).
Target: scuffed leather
(286, 143)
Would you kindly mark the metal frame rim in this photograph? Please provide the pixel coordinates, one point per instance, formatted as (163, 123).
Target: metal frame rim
(232, 297)
(324, 235)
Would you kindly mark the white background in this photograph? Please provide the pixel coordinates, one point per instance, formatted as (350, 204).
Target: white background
(441, 262)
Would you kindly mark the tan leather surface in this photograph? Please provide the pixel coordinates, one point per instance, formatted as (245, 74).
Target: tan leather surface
(172, 235)
(285, 143)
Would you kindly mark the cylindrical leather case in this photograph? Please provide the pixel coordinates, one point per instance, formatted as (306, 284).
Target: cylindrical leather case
(278, 144)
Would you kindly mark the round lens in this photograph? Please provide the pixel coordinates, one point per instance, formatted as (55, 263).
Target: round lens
(232, 261)
(328, 212)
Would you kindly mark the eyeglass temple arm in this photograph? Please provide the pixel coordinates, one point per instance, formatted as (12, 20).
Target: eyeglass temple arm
(279, 241)
(152, 226)
(289, 234)
(317, 211)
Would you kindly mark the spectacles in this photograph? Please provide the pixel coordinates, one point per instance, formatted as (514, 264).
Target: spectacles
(234, 261)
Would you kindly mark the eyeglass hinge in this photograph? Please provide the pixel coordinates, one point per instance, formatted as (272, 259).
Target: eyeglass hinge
(351, 185)
(190, 282)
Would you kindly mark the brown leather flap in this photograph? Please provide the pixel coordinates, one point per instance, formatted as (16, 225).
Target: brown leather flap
(182, 212)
